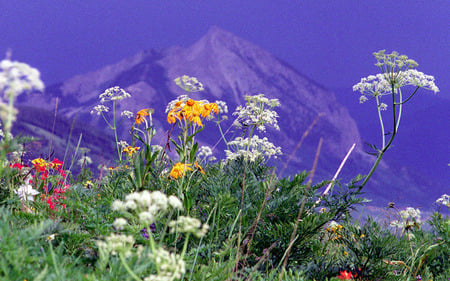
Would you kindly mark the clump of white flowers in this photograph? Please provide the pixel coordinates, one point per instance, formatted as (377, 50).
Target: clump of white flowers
(444, 200)
(397, 71)
(408, 219)
(252, 148)
(116, 244)
(15, 78)
(171, 266)
(205, 154)
(257, 112)
(26, 192)
(189, 84)
(112, 94)
(148, 207)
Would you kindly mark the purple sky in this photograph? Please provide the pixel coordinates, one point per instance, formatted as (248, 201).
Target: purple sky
(329, 41)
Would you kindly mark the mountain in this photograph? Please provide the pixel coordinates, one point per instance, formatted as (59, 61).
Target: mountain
(230, 68)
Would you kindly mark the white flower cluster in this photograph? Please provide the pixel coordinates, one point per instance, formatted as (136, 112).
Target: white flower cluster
(84, 161)
(408, 218)
(116, 244)
(26, 191)
(393, 61)
(113, 93)
(189, 84)
(171, 266)
(205, 153)
(148, 205)
(127, 114)
(223, 108)
(252, 148)
(397, 71)
(257, 113)
(189, 225)
(17, 77)
(444, 200)
(373, 85)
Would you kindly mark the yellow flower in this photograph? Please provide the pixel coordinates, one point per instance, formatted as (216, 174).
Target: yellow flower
(199, 168)
(140, 116)
(191, 111)
(179, 169)
(88, 184)
(39, 162)
(130, 150)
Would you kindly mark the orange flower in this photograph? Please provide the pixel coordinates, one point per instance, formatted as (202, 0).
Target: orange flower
(191, 111)
(140, 116)
(179, 169)
(199, 168)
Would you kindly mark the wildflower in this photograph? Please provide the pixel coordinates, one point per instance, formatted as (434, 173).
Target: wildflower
(189, 225)
(84, 160)
(252, 148)
(140, 116)
(171, 266)
(222, 106)
(189, 84)
(344, 275)
(127, 114)
(383, 106)
(130, 150)
(257, 113)
(152, 228)
(175, 203)
(120, 223)
(190, 110)
(26, 192)
(398, 71)
(98, 109)
(117, 244)
(17, 77)
(113, 94)
(444, 200)
(51, 237)
(199, 168)
(88, 184)
(179, 169)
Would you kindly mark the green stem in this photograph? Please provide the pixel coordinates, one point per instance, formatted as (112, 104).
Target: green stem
(115, 132)
(135, 277)
(381, 121)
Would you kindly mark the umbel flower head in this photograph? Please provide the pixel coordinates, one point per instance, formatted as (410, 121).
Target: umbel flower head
(257, 112)
(17, 77)
(396, 71)
(189, 84)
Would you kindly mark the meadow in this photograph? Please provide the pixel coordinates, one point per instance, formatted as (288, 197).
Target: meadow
(179, 212)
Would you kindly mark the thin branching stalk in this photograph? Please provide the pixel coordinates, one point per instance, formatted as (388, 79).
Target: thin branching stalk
(300, 211)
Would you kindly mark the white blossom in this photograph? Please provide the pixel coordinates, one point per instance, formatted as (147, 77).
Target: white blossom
(120, 223)
(189, 225)
(26, 192)
(257, 113)
(98, 109)
(113, 94)
(444, 200)
(189, 84)
(127, 114)
(17, 77)
(251, 149)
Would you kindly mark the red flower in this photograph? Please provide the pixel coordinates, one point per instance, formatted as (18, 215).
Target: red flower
(344, 275)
